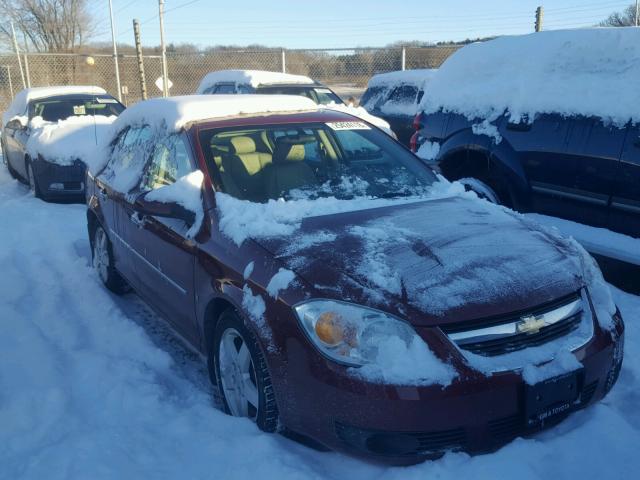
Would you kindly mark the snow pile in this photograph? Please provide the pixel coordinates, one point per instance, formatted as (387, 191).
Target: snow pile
(418, 78)
(362, 114)
(65, 141)
(428, 151)
(280, 281)
(242, 219)
(599, 241)
(18, 106)
(187, 192)
(570, 72)
(254, 78)
(399, 363)
(487, 128)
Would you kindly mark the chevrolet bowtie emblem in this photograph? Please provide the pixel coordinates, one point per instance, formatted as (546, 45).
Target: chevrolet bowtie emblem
(530, 324)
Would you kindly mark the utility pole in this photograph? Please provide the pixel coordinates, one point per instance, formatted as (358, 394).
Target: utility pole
(8, 67)
(143, 80)
(115, 51)
(15, 46)
(539, 16)
(165, 76)
(637, 13)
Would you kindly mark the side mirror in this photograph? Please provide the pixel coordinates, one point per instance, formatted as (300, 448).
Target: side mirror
(163, 209)
(16, 123)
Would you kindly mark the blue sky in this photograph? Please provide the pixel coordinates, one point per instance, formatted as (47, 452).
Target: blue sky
(340, 23)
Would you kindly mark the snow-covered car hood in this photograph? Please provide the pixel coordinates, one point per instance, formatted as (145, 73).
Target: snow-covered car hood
(432, 262)
(65, 141)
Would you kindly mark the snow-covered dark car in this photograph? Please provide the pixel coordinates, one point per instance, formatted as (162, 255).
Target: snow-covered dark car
(339, 290)
(50, 134)
(266, 83)
(395, 97)
(231, 82)
(542, 123)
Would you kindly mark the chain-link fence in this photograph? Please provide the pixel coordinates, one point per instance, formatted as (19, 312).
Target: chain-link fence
(345, 70)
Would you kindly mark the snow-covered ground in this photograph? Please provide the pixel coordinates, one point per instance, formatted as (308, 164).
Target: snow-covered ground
(94, 386)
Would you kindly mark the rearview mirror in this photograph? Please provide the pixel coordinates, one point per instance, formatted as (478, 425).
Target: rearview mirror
(163, 209)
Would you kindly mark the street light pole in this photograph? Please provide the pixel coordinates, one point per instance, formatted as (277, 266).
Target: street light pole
(637, 12)
(115, 51)
(163, 47)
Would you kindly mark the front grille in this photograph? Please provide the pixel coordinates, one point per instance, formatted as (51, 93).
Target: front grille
(497, 336)
(523, 340)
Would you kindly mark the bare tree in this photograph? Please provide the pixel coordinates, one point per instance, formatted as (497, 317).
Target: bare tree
(626, 18)
(48, 25)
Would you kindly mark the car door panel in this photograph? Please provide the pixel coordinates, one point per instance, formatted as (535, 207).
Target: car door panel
(624, 214)
(597, 148)
(542, 147)
(162, 256)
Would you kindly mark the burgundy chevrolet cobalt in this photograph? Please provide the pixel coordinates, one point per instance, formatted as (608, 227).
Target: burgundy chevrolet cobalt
(340, 290)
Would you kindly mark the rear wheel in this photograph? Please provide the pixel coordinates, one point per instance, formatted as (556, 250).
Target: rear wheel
(241, 373)
(102, 254)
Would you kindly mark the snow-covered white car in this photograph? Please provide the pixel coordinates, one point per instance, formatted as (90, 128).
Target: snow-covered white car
(338, 288)
(277, 83)
(50, 134)
(395, 97)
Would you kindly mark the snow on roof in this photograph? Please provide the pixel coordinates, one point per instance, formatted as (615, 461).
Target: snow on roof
(589, 72)
(21, 100)
(250, 77)
(416, 77)
(175, 112)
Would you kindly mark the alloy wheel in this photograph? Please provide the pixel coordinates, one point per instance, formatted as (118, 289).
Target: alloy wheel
(101, 254)
(32, 179)
(238, 376)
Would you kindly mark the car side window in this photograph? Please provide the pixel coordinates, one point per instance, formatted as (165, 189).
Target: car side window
(225, 88)
(129, 154)
(170, 161)
(403, 94)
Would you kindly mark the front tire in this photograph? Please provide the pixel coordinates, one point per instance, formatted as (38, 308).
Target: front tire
(241, 373)
(31, 178)
(103, 262)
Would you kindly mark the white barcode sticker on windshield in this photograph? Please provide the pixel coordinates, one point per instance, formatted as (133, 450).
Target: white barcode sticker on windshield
(348, 126)
(79, 110)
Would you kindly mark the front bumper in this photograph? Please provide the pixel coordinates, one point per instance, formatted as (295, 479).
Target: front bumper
(405, 425)
(60, 181)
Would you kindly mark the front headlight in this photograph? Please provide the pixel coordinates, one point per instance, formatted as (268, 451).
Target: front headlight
(351, 334)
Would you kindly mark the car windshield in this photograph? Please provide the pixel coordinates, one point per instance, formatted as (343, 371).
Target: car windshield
(335, 159)
(61, 108)
(320, 95)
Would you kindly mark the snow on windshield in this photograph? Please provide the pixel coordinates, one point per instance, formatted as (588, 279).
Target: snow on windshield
(63, 142)
(571, 72)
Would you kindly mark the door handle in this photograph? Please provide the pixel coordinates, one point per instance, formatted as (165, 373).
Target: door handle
(138, 220)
